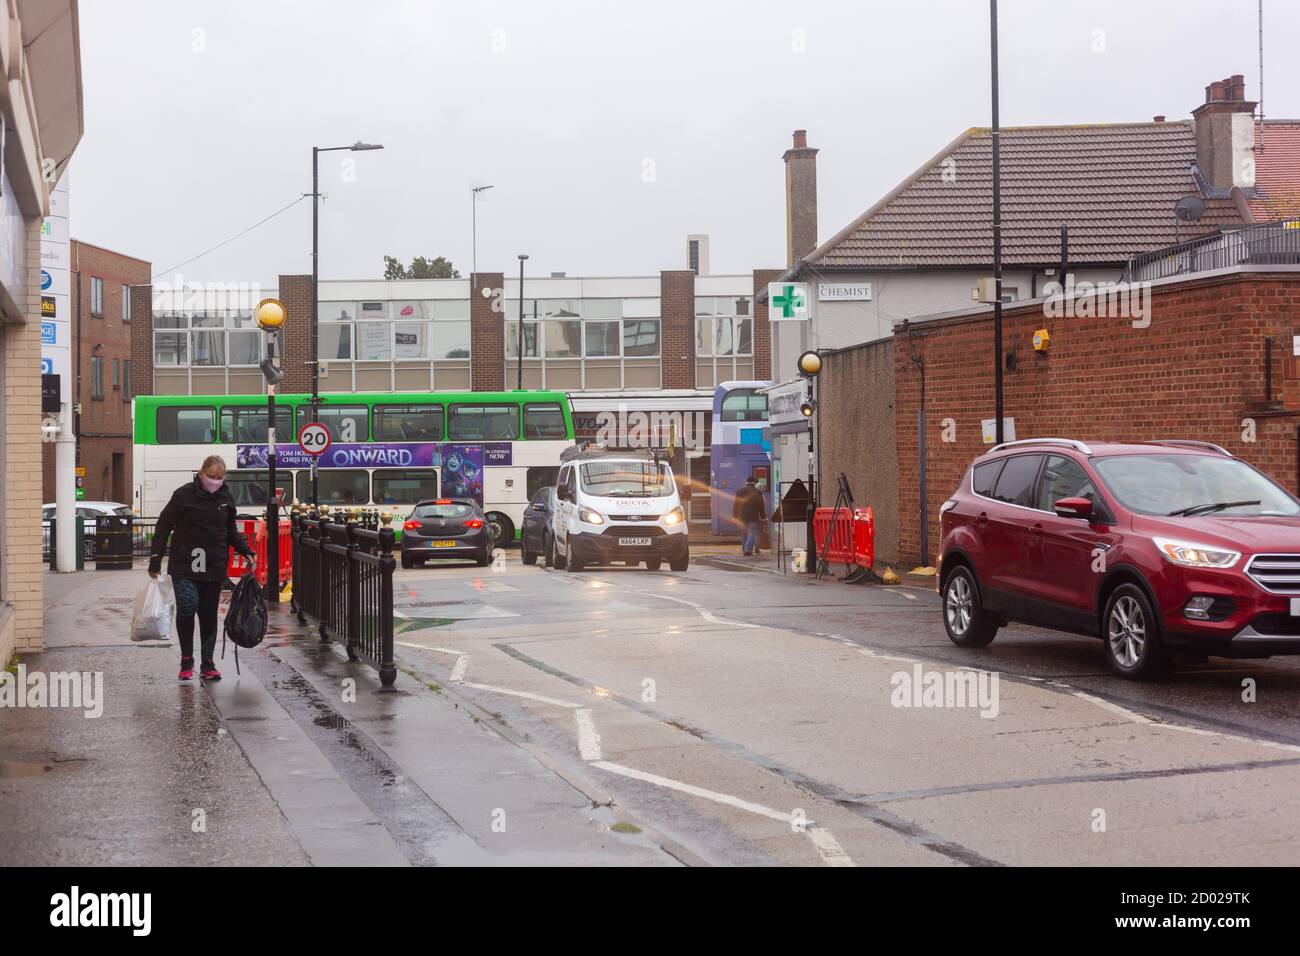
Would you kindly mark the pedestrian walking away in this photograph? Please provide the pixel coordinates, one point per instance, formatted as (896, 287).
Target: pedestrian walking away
(200, 522)
(748, 510)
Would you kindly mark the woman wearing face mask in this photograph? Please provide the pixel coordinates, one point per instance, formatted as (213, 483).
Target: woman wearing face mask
(200, 521)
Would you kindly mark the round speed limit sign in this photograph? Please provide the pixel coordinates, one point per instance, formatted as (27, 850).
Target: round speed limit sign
(314, 438)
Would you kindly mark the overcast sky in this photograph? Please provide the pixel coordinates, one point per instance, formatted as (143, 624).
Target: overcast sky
(610, 130)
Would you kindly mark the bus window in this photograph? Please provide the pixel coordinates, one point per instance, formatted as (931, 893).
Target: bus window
(249, 487)
(186, 425)
(408, 423)
(744, 405)
(544, 421)
(483, 422)
(336, 486)
(404, 486)
(248, 425)
(540, 476)
(347, 423)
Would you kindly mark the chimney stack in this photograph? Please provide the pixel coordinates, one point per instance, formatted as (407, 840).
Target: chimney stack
(1225, 134)
(800, 198)
(697, 254)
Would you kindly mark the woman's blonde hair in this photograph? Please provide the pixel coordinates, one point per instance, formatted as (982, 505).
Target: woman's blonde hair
(210, 461)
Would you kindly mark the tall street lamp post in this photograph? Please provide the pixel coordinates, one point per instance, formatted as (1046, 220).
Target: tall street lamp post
(315, 281)
(270, 317)
(997, 229)
(519, 382)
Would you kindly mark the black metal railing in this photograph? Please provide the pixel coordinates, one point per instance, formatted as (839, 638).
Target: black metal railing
(1272, 243)
(343, 581)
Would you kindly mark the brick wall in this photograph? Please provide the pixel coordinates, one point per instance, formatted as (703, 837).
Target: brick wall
(21, 583)
(763, 331)
(677, 312)
(104, 428)
(487, 342)
(1196, 372)
(295, 338)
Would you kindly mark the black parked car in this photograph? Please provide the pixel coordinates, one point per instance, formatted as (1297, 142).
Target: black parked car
(535, 539)
(445, 528)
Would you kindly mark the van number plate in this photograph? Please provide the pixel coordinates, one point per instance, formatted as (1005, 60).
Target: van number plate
(645, 542)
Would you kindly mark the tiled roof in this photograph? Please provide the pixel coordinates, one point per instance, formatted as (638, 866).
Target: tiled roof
(1277, 171)
(1114, 185)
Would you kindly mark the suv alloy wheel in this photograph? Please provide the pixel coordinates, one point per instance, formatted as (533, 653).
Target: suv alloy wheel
(964, 617)
(1131, 633)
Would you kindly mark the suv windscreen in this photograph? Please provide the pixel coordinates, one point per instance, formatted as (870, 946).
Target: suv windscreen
(1016, 483)
(625, 479)
(1159, 484)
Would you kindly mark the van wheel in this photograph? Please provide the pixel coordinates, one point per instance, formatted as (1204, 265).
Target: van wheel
(680, 564)
(571, 560)
(654, 564)
(1131, 633)
(557, 559)
(964, 617)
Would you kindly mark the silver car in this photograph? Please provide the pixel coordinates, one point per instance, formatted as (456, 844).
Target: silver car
(88, 512)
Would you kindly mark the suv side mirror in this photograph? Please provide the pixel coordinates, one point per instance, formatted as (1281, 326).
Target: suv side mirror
(1073, 508)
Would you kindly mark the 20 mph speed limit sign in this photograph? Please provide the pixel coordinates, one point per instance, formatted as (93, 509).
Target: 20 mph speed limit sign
(314, 438)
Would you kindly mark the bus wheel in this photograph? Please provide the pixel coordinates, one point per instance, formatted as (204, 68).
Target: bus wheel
(501, 528)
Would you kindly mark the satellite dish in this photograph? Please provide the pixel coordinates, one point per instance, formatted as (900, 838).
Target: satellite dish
(1189, 208)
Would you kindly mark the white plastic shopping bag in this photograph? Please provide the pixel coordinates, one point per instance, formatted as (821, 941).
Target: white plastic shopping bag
(155, 606)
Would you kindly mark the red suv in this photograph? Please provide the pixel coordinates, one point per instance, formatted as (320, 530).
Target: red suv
(1160, 548)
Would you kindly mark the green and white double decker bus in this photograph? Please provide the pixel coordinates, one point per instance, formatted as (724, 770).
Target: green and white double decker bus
(388, 450)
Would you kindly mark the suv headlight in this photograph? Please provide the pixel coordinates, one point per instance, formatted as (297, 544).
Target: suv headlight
(591, 517)
(1191, 555)
(675, 517)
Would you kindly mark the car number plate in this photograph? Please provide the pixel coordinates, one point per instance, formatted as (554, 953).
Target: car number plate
(637, 542)
(1295, 607)
(442, 544)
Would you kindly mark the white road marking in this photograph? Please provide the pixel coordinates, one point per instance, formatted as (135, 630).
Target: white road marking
(699, 609)
(588, 739)
(723, 798)
(827, 848)
(831, 852)
(521, 693)
(458, 672)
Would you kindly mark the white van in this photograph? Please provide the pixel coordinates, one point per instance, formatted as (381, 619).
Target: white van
(617, 506)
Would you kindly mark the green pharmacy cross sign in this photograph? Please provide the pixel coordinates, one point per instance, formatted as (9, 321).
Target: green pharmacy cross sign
(788, 301)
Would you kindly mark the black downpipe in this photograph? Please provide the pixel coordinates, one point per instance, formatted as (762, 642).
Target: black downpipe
(1268, 368)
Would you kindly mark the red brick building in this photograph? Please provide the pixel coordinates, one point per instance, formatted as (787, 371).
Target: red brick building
(103, 306)
(1199, 370)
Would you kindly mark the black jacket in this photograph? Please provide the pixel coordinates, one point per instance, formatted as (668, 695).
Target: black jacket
(749, 504)
(196, 520)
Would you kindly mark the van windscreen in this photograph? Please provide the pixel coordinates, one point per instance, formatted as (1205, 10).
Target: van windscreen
(625, 479)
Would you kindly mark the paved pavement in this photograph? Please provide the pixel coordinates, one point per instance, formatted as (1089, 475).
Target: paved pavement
(726, 715)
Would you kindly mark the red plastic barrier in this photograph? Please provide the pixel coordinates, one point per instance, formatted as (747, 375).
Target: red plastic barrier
(255, 530)
(852, 539)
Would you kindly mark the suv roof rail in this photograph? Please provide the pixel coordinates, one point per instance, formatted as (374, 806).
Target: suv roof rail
(1188, 443)
(1068, 442)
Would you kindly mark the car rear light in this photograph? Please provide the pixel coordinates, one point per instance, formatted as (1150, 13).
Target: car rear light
(443, 501)
(474, 523)
(411, 525)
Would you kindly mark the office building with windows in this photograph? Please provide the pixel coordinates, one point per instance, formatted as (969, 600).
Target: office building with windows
(639, 356)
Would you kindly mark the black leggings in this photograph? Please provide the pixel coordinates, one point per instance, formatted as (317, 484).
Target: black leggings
(197, 597)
